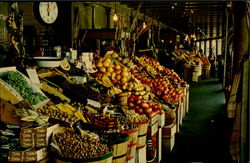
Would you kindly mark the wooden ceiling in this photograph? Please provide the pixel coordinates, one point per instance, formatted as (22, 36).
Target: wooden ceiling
(199, 16)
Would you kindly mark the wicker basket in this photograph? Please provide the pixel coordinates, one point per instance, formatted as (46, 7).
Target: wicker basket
(143, 128)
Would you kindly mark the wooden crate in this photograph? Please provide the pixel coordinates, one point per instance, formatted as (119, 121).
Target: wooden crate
(178, 118)
(141, 155)
(187, 99)
(195, 76)
(8, 93)
(131, 161)
(159, 154)
(206, 72)
(153, 129)
(153, 120)
(168, 143)
(161, 119)
(169, 130)
(187, 74)
(181, 111)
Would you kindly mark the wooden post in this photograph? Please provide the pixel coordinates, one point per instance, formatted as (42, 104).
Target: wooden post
(225, 55)
(244, 113)
(241, 46)
(241, 34)
(93, 17)
(108, 11)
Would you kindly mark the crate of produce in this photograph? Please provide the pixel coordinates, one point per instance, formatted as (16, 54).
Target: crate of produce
(15, 87)
(169, 130)
(142, 135)
(167, 143)
(141, 155)
(119, 143)
(168, 138)
(29, 155)
(206, 72)
(36, 137)
(133, 135)
(65, 139)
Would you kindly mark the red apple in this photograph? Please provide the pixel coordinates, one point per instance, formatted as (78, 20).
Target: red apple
(139, 111)
(148, 110)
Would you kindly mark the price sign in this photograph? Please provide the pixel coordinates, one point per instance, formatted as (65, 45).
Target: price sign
(33, 76)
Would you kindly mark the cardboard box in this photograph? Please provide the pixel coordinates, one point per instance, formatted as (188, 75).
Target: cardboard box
(36, 137)
(29, 155)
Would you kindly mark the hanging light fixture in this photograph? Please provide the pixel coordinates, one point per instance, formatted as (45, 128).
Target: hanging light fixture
(115, 17)
(144, 25)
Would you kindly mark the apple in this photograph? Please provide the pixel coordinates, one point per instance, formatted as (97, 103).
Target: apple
(139, 111)
(148, 110)
(137, 98)
(130, 104)
(138, 101)
(137, 107)
(144, 105)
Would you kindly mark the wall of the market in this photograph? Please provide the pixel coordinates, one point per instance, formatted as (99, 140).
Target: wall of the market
(61, 29)
(4, 8)
(100, 14)
(28, 14)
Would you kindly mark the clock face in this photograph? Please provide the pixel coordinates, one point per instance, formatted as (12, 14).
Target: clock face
(48, 11)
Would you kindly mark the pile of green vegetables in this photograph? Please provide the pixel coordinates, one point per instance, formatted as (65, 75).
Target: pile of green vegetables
(17, 81)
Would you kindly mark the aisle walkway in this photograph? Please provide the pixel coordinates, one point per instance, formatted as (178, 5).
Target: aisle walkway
(203, 134)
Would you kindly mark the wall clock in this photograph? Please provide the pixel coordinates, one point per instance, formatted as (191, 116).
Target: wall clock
(46, 11)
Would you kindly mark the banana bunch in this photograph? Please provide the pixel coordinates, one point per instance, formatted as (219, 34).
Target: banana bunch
(113, 91)
(151, 70)
(104, 80)
(70, 110)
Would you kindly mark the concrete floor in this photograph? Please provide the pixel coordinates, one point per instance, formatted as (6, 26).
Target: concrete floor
(204, 133)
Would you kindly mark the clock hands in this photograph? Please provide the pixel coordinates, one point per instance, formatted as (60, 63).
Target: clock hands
(48, 9)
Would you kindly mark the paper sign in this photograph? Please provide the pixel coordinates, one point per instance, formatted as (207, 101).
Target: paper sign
(33, 76)
(87, 60)
(94, 103)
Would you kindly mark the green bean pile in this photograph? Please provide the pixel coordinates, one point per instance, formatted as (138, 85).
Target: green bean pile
(17, 81)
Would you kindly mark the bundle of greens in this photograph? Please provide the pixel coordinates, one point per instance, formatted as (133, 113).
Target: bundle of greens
(17, 81)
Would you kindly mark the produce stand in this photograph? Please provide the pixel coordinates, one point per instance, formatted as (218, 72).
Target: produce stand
(117, 96)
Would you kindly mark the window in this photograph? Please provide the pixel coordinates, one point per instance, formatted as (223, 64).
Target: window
(198, 45)
(219, 46)
(207, 48)
(203, 46)
(213, 48)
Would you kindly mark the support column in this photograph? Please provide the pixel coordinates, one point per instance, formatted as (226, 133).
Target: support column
(241, 34)
(93, 17)
(108, 12)
(241, 46)
(225, 59)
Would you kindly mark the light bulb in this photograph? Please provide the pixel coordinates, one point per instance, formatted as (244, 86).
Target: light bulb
(115, 17)
(144, 25)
